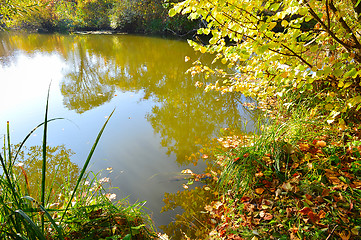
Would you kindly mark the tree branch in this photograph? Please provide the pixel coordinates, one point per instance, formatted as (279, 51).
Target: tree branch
(345, 26)
(328, 15)
(328, 30)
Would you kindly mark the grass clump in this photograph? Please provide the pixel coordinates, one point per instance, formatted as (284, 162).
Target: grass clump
(45, 196)
(298, 179)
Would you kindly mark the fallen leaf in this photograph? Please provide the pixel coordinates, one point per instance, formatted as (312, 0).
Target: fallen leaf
(268, 216)
(245, 199)
(209, 208)
(305, 210)
(259, 190)
(286, 186)
(304, 147)
(321, 214)
(313, 217)
(321, 143)
(325, 192)
(186, 171)
(217, 204)
(345, 235)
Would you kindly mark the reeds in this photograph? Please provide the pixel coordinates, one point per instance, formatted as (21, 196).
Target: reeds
(23, 217)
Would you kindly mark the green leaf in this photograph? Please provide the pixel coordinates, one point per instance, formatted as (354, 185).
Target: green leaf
(127, 237)
(354, 101)
(274, 6)
(36, 229)
(284, 23)
(138, 227)
(327, 70)
(352, 73)
(337, 72)
(172, 12)
(263, 27)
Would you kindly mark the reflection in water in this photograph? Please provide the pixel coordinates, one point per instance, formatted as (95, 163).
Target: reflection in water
(61, 173)
(100, 67)
(84, 85)
(194, 222)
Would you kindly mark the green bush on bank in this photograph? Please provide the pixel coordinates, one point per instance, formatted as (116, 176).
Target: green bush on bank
(133, 16)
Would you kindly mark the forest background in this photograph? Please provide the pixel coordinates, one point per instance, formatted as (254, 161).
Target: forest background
(146, 17)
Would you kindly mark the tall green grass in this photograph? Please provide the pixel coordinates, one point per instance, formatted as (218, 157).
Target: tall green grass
(275, 138)
(23, 217)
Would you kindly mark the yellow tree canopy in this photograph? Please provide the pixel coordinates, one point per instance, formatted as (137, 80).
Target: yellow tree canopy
(307, 46)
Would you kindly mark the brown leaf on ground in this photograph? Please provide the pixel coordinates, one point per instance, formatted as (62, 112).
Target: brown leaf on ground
(313, 217)
(268, 216)
(321, 214)
(305, 210)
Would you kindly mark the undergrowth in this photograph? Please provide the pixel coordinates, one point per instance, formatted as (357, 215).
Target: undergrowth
(298, 179)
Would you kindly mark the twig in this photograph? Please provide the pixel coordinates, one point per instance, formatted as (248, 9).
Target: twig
(331, 232)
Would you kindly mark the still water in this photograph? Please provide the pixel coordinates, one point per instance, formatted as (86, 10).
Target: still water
(161, 118)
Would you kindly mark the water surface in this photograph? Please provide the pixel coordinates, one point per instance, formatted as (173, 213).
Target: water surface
(161, 118)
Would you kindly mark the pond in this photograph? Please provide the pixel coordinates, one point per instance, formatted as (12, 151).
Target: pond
(160, 117)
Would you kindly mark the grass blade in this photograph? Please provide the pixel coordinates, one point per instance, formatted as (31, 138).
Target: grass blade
(27, 136)
(9, 149)
(35, 228)
(9, 181)
(57, 228)
(43, 169)
(86, 165)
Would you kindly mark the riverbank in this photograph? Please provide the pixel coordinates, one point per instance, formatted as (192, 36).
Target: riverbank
(298, 179)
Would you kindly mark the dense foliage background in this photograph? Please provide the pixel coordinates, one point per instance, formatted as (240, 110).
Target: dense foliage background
(133, 16)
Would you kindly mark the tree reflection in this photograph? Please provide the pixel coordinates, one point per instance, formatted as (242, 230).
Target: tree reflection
(61, 173)
(194, 222)
(189, 120)
(84, 86)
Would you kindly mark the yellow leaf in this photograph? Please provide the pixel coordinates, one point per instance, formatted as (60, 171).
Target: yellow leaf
(341, 124)
(321, 143)
(347, 84)
(259, 190)
(272, 25)
(284, 74)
